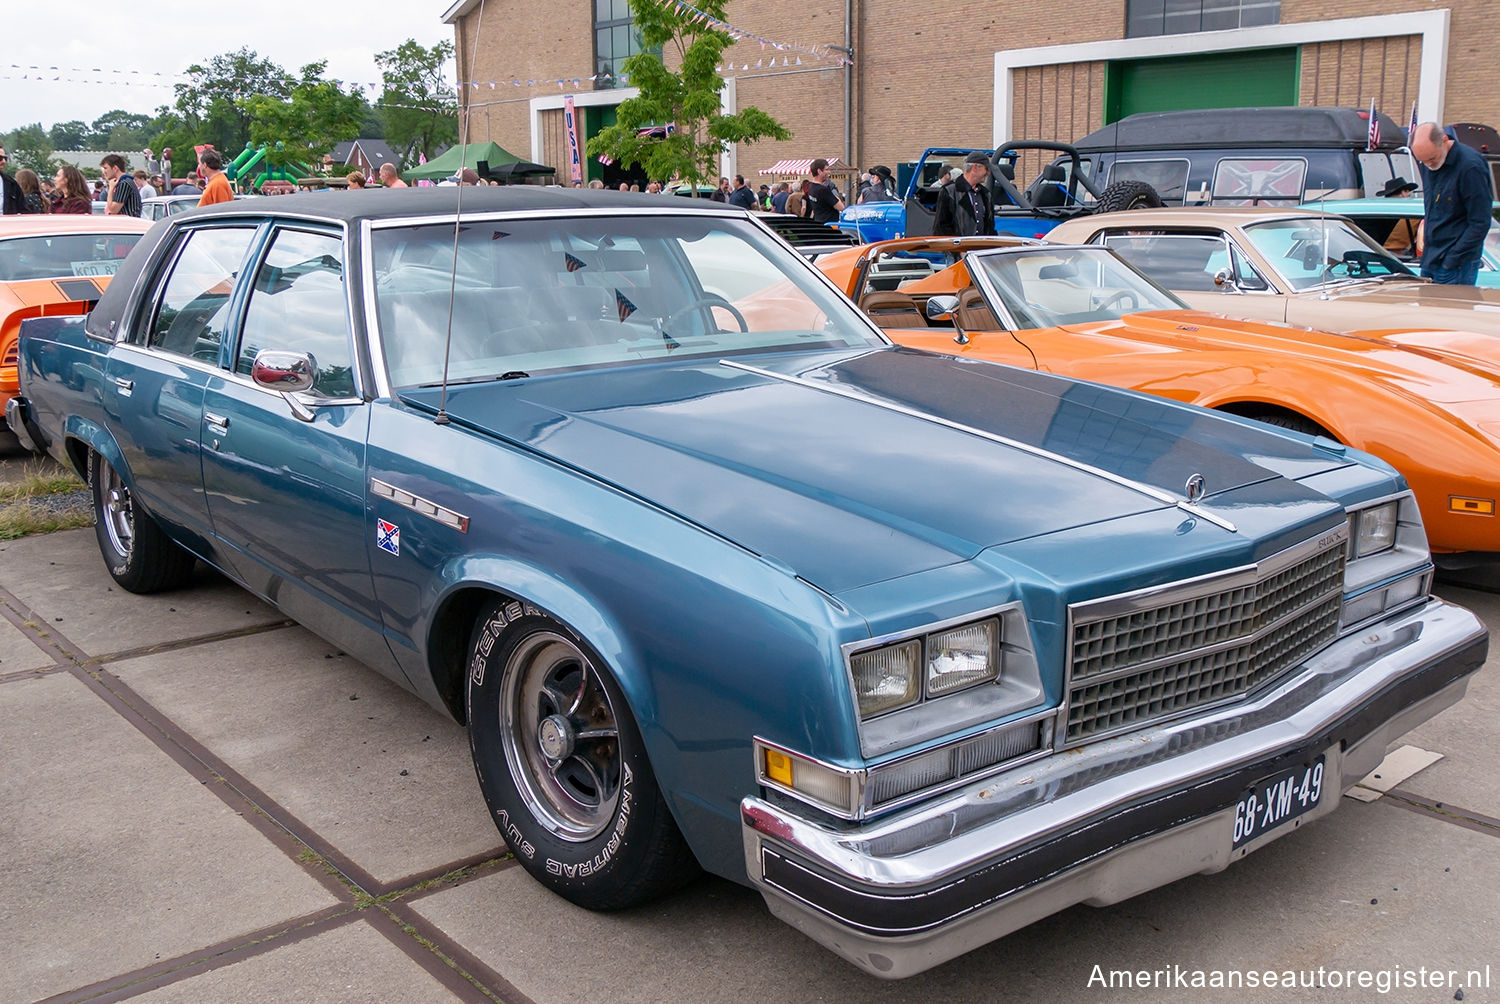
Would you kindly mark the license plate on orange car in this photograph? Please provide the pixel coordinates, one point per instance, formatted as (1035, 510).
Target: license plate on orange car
(1277, 800)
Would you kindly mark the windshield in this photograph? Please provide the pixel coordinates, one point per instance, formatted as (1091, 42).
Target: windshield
(1044, 288)
(1316, 250)
(63, 255)
(531, 296)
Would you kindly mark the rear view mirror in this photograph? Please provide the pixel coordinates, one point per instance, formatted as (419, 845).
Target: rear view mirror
(939, 307)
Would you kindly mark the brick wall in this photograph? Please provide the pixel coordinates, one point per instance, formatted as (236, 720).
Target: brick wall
(925, 74)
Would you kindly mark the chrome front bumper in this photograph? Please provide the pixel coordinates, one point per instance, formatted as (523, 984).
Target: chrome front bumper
(1107, 821)
(15, 418)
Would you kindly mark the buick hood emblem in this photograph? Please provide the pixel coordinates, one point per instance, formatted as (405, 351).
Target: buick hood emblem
(1194, 488)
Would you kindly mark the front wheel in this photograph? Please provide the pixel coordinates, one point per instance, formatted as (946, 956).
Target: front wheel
(139, 556)
(563, 768)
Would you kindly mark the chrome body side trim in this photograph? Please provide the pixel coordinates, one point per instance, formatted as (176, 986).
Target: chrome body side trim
(419, 505)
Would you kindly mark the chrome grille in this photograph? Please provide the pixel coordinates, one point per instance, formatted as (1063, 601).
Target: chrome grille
(1140, 659)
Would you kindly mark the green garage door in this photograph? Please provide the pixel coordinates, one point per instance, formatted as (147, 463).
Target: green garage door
(1257, 78)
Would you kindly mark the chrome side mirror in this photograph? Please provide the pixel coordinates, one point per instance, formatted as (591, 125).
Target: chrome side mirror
(939, 307)
(286, 373)
(1224, 280)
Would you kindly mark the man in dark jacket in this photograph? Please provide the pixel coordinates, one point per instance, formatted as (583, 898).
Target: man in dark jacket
(11, 200)
(963, 205)
(742, 196)
(1456, 196)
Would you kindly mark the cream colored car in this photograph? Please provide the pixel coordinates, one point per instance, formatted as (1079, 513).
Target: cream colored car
(1291, 265)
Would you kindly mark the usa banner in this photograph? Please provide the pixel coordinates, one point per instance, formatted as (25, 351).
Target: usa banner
(570, 119)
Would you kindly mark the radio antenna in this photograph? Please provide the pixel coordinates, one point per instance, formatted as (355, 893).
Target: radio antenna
(458, 211)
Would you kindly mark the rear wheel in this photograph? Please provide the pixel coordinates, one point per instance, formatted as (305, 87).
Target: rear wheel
(1293, 421)
(1128, 195)
(563, 768)
(139, 556)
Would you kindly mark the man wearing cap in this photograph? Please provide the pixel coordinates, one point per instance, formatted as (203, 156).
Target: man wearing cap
(963, 205)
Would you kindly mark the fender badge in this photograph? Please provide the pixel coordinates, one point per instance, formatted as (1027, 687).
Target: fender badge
(1195, 487)
(388, 536)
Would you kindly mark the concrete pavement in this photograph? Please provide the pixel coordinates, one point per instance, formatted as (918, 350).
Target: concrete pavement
(201, 801)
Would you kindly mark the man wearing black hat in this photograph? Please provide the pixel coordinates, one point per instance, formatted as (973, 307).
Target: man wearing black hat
(963, 205)
(879, 189)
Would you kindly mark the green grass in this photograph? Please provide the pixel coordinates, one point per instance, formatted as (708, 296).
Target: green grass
(22, 519)
(40, 479)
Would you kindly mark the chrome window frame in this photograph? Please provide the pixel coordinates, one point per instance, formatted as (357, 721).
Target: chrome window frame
(369, 225)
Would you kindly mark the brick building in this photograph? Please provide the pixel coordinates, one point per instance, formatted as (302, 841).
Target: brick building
(985, 73)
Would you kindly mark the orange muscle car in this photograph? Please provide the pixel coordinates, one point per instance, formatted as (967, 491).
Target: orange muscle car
(1431, 410)
(54, 265)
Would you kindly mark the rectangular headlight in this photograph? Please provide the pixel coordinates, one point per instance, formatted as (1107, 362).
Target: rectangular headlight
(887, 678)
(962, 657)
(1374, 529)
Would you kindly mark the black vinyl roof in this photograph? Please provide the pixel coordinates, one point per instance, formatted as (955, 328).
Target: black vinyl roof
(381, 203)
(1238, 128)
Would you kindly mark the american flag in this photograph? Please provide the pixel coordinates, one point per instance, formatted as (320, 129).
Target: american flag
(1374, 138)
(573, 262)
(1411, 130)
(624, 306)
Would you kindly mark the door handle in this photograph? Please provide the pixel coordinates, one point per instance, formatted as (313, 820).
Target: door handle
(218, 423)
(125, 385)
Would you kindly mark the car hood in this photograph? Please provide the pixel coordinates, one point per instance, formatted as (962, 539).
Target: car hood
(855, 467)
(1438, 365)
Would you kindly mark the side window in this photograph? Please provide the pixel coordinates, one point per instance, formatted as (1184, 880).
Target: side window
(1259, 182)
(193, 304)
(298, 303)
(1168, 177)
(1185, 262)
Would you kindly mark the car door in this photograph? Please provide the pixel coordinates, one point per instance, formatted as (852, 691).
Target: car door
(286, 493)
(155, 376)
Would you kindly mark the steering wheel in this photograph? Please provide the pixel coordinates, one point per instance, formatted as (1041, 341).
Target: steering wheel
(705, 303)
(1120, 297)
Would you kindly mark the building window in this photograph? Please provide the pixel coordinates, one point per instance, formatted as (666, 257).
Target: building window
(1177, 17)
(615, 38)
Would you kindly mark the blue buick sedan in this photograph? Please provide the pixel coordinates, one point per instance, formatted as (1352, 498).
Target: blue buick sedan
(717, 578)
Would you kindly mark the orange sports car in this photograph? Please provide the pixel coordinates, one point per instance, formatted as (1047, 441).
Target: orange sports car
(54, 265)
(1431, 410)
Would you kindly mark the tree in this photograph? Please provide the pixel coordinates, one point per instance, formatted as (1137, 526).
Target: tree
(215, 102)
(69, 135)
(118, 130)
(419, 106)
(687, 99)
(304, 127)
(29, 146)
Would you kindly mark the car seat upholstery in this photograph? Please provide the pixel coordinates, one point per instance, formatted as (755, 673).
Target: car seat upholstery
(892, 309)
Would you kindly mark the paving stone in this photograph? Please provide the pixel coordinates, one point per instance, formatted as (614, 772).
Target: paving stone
(349, 963)
(62, 577)
(1301, 902)
(378, 773)
(114, 856)
(19, 653)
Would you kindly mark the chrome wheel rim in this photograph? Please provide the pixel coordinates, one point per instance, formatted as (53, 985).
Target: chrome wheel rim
(561, 737)
(117, 513)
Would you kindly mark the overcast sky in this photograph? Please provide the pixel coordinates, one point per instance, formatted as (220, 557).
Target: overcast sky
(291, 33)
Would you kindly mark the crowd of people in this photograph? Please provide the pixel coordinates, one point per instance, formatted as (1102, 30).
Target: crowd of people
(119, 189)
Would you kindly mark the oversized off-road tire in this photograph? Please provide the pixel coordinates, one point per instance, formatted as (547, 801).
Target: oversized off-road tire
(562, 765)
(1294, 422)
(139, 556)
(1128, 195)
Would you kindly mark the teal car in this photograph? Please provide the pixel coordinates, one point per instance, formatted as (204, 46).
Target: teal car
(1393, 222)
